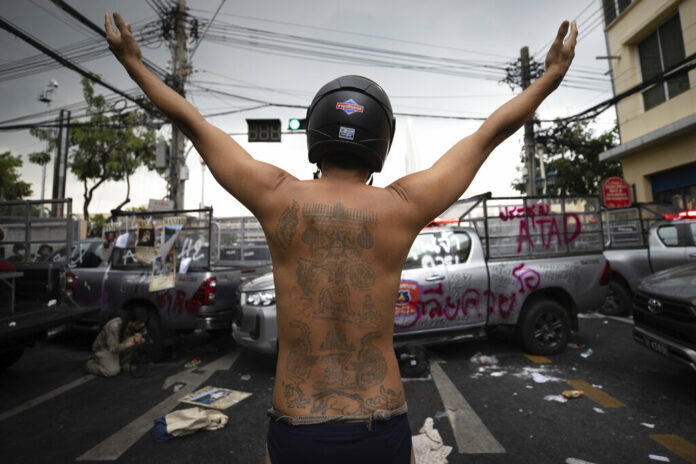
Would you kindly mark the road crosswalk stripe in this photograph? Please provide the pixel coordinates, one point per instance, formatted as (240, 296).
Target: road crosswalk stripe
(595, 394)
(677, 445)
(45, 397)
(118, 443)
(471, 435)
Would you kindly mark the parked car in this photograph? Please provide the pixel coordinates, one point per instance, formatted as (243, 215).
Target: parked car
(664, 311)
(529, 263)
(201, 297)
(641, 240)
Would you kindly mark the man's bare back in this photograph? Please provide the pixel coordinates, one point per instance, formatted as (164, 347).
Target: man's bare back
(338, 249)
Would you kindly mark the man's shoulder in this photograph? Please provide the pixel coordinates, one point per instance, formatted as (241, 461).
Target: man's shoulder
(114, 323)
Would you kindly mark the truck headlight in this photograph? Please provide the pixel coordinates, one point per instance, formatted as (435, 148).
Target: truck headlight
(264, 298)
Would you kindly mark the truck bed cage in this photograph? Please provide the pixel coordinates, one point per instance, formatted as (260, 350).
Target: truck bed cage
(532, 227)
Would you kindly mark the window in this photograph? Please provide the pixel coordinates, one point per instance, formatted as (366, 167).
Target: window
(659, 52)
(668, 235)
(693, 233)
(437, 249)
(613, 8)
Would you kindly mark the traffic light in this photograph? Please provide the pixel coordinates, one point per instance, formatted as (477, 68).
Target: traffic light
(263, 130)
(297, 124)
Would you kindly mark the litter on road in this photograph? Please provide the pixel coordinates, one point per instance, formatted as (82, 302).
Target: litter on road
(214, 397)
(572, 394)
(598, 410)
(187, 421)
(428, 446)
(577, 461)
(657, 457)
(483, 360)
(587, 353)
(558, 398)
(645, 424)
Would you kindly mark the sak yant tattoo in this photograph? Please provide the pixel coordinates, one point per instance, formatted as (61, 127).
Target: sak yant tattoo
(287, 225)
(300, 359)
(335, 281)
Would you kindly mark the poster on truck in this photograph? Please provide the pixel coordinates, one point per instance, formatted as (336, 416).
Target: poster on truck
(145, 250)
(163, 272)
(110, 232)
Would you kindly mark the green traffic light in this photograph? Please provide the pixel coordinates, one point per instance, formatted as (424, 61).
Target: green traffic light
(294, 124)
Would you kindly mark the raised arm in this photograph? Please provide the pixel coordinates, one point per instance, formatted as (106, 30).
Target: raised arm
(431, 191)
(248, 180)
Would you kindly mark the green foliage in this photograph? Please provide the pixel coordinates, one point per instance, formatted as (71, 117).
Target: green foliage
(111, 147)
(41, 158)
(11, 187)
(95, 224)
(571, 150)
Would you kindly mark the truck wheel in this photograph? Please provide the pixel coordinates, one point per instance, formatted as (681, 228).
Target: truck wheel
(157, 336)
(544, 328)
(619, 300)
(8, 358)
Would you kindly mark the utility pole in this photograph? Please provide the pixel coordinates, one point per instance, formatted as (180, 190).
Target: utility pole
(528, 127)
(60, 166)
(178, 173)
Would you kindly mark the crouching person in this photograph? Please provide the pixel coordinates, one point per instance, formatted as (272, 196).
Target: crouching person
(116, 343)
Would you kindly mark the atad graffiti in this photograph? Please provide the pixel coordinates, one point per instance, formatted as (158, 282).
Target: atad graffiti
(538, 218)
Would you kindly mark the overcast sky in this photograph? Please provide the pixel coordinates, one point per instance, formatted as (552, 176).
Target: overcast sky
(485, 34)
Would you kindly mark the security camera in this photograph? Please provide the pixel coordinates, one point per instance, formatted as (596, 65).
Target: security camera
(53, 83)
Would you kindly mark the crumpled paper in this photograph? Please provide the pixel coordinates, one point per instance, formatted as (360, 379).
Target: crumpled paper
(428, 447)
(187, 421)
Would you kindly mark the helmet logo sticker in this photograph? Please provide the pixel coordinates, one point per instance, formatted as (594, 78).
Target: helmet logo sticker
(347, 133)
(350, 106)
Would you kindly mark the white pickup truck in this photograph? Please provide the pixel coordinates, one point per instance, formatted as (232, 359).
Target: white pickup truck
(639, 241)
(533, 263)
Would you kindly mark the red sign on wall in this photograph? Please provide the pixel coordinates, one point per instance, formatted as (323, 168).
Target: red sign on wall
(616, 193)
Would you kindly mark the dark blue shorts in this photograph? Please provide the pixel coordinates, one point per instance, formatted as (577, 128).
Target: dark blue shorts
(389, 442)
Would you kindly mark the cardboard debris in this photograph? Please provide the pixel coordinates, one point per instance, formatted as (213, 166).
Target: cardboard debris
(214, 397)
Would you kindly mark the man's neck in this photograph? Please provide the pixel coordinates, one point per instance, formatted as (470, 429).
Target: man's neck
(335, 173)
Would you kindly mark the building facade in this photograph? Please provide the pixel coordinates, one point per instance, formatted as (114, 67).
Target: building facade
(647, 39)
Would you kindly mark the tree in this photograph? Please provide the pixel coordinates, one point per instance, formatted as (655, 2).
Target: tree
(571, 155)
(11, 187)
(110, 145)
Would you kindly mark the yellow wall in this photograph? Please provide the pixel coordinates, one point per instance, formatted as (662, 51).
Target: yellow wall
(623, 35)
(638, 167)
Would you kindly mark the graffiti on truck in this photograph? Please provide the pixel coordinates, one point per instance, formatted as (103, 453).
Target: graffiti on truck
(537, 220)
(417, 304)
(174, 302)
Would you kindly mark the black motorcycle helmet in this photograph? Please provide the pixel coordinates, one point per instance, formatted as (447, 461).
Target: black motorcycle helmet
(351, 116)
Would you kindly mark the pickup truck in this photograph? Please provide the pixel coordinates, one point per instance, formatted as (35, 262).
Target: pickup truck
(532, 263)
(665, 314)
(32, 298)
(639, 241)
(203, 297)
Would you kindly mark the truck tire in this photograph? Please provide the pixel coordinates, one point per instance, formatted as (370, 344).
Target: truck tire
(544, 328)
(158, 338)
(619, 300)
(9, 357)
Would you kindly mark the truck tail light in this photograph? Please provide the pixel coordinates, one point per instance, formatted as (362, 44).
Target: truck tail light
(606, 275)
(205, 295)
(70, 284)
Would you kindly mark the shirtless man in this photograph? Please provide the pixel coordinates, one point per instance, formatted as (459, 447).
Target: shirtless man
(338, 247)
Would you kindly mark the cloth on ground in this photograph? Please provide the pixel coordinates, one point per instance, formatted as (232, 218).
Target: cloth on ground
(187, 421)
(428, 447)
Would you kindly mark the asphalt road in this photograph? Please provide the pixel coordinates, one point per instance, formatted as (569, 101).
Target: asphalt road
(636, 403)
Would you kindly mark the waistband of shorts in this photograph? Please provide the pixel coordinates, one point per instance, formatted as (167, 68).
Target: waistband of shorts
(381, 415)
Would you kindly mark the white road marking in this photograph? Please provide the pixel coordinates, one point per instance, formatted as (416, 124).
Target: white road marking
(471, 435)
(625, 320)
(118, 443)
(45, 397)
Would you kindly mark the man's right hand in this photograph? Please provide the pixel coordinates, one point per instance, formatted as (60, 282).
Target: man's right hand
(138, 338)
(121, 41)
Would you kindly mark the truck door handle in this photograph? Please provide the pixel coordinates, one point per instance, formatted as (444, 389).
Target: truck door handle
(434, 278)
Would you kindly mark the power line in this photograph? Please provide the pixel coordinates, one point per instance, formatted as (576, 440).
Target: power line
(65, 62)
